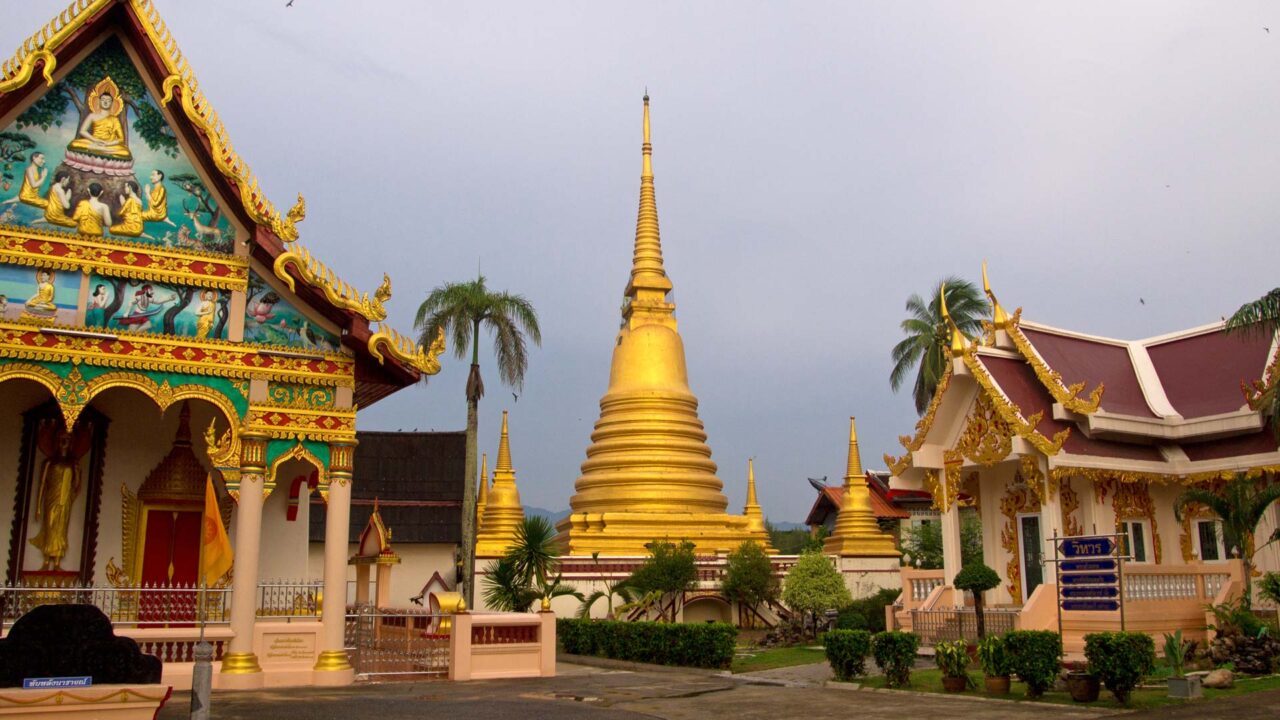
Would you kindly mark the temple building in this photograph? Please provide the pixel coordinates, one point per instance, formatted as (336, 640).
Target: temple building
(1052, 432)
(162, 327)
(648, 473)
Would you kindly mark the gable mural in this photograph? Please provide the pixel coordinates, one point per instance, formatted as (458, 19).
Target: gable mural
(144, 306)
(95, 156)
(40, 294)
(272, 320)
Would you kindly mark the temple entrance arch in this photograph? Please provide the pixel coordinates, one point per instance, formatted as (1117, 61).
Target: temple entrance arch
(708, 608)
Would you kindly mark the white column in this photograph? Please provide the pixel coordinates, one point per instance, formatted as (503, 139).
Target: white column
(239, 660)
(951, 544)
(333, 667)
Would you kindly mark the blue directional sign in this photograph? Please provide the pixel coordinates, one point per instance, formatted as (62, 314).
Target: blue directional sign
(1094, 605)
(1078, 547)
(1100, 591)
(1090, 579)
(1106, 565)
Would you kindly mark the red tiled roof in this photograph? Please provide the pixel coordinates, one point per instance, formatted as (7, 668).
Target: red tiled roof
(832, 497)
(1201, 374)
(1091, 362)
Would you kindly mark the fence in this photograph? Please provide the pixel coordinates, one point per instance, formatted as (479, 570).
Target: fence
(290, 598)
(144, 605)
(934, 626)
(388, 644)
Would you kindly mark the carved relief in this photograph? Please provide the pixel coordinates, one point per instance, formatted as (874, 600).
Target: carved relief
(1017, 499)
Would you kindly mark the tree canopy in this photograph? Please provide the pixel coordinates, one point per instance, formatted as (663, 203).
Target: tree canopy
(749, 577)
(814, 585)
(928, 336)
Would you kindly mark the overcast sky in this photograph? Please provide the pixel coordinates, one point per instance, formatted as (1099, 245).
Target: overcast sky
(816, 163)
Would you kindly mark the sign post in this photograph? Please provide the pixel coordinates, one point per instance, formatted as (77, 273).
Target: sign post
(1090, 574)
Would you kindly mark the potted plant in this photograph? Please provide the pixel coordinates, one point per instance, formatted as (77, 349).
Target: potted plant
(1083, 685)
(1175, 655)
(997, 666)
(953, 660)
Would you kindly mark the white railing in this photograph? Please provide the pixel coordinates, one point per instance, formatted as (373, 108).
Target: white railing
(1200, 583)
(144, 605)
(290, 598)
(917, 585)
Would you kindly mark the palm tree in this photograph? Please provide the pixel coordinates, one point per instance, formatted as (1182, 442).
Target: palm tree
(618, 587)
(523, 575)
(927, 336)
(460, 310)
(1262, 316)
(1240, 506)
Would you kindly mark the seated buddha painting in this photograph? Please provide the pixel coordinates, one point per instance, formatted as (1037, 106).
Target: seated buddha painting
(41, 295)
(95, 156)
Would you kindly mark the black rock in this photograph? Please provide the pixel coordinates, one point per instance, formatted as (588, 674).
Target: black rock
(72, 641)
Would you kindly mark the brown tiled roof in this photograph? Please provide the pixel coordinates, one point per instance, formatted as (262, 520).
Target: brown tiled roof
(832, 497)
(1201, 374)
(417, 479)
(1092, 361)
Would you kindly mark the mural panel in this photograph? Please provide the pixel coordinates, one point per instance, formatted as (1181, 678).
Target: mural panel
(139, 306)
(95, 156)
(39, 294)
(272, 320)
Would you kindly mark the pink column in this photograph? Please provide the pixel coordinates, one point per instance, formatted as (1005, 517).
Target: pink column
(333, 667)
(240, 667)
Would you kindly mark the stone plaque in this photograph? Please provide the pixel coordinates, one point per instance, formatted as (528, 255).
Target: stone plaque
(288, 647)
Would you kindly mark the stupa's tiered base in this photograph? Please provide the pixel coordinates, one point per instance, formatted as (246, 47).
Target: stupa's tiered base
(627, 533)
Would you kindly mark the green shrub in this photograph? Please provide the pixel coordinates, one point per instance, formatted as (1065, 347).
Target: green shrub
(895, 653)
(708, 645)
(1035, 656)
(952, 658)
(1175, 652)
(847, 652)
(867, 613)
(1269, 587)
(1120, 660)
(994, 657)
(977, 579)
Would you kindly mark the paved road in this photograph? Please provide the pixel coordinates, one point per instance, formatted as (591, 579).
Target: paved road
(604, 694)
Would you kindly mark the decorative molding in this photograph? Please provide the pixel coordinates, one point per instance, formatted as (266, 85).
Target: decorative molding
(1024, 427)
(1104, 475)
(1132, 501)
(923, 425)
(300, 397)
(1016, 499)
(1068, 395)
(387, 340)
(301, 424)
(336, 291)
(1071, 527)
(297, 452)
(83, 253)
(167, 353)
(986, 438)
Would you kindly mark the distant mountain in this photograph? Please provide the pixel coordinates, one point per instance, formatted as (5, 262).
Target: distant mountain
(554, 516)
(777, 525)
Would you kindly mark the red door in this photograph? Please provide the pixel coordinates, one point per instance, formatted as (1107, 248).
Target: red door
(170, 556)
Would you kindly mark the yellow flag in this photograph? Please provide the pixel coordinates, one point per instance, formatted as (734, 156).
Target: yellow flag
(215, 554)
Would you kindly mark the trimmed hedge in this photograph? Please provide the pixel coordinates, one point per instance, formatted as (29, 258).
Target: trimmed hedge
(707, 645)
(1036, 656)
(847, 652)
(1120, 660)
(895, 653)
(867, 613)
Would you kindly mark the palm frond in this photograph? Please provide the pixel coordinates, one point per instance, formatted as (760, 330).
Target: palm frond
(1261, 315)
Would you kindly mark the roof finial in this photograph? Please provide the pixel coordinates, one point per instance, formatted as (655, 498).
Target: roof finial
(647, 271)
(751, 483)
(854, 468)
(999, 317)
(958, 340)
(482, 498)
(504, 449)
(752, 511)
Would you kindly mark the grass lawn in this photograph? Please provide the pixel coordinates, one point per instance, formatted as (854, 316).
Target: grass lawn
(778, 657)
(931, 681)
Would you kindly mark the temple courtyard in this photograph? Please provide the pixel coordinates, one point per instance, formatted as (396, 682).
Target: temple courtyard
(580, 691)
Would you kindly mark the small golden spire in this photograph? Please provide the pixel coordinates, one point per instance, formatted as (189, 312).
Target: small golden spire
(854, 468)
(958, 340)
(999, 317)
(752, 511)
(751, 483)
(503, 513)
(482, 497)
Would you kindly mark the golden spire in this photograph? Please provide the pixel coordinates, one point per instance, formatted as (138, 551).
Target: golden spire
(752, 511)
(999, 318)
(648, 472)
(504, 513)
(856, 533)
(482, 497)
(958, 340)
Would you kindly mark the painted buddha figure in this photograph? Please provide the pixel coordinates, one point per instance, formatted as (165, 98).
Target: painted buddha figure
(102, 132)
(42, 301)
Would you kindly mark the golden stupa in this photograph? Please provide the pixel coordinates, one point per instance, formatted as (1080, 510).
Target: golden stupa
(503, 513)
(856, 533)
(649, 474)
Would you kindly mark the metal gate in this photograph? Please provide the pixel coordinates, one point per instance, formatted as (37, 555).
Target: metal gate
(389, 644)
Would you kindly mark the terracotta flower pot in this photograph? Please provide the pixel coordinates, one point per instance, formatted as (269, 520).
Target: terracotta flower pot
(997, 684)
(1083, 686)
(954, 684)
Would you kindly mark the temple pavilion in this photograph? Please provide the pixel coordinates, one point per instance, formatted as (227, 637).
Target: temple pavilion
(1050, 432)
(162, 323)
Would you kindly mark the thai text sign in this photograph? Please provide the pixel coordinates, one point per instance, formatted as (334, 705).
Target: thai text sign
(1090, 579)
(1088, 565)
(1100, 591)
(58, 682)
(1091, 605)
(1087, 547)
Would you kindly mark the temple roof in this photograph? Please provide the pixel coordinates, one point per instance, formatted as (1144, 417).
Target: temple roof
(415, 478)
(386, 360)
(831, 497)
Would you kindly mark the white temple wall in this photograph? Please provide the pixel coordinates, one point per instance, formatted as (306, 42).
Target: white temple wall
(284, 553)
(418, 562)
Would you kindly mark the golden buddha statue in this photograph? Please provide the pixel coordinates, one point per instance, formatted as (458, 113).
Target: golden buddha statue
(59, 486)
(130, 224)
(102, 132)
(42, 301)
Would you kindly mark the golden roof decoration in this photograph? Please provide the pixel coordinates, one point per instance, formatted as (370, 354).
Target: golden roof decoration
(958, 340)
(337, 291)
(1068, 395)
(387, 341)
(181, 83)
(999, 318)
(1024, 427)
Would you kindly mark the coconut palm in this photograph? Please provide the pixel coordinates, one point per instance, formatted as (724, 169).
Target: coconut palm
(619, 588)
(927, 336)
(1262, 316)
(523, 575)
(1240, 505)
(461, 310)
